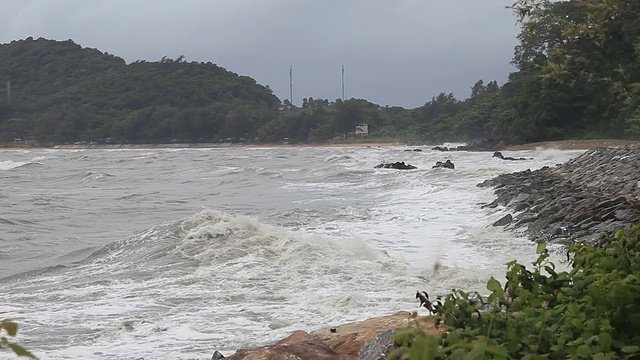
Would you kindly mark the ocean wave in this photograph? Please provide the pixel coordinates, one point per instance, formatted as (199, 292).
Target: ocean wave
(11, 165)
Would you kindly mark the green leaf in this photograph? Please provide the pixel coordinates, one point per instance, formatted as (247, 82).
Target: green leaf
(540, 248)
(493, 285)
(577, 323)
(583, 351)
(10, 327)
(632, 349)
(605, 341)
(20, 351)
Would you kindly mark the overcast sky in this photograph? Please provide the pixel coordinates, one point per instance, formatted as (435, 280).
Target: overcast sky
(395, 52)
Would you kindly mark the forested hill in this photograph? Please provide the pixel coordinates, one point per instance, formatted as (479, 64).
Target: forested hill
(61, 92)
(577, 75)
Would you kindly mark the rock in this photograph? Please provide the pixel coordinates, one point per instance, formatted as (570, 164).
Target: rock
(595, 192)
(378, 347)
(299, 345)
(473, 146)
(504, 221)
(447, 164)
(217, 356)
(499, 155)
(397, 165)
(348, 339)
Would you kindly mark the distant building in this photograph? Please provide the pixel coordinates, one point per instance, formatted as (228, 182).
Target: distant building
(362, 130)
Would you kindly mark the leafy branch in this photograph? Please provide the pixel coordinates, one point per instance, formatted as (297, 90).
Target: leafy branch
(11, 328)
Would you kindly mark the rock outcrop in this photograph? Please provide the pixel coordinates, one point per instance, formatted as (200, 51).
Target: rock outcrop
(447, 164)
(396, 165)
(299, 345)
(486, 145)
(499, 155)
(344, 342)
(596, 192)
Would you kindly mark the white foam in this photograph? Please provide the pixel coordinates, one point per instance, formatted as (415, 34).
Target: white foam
(9, 165)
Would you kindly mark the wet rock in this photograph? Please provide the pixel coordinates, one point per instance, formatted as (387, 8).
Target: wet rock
(504, 221)
(499, 155)
(484, 145)
(217, 356)
(397, 165)
(447, 164)
(595, 192)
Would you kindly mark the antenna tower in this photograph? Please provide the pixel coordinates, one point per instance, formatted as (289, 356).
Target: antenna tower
(342, 82)
(291, 85)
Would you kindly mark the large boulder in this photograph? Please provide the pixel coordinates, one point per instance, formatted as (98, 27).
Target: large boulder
(344, 342)
(348, 339)
(299, 345)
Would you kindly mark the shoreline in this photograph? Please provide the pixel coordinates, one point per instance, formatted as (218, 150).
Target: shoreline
(559, 145)
(198, 146)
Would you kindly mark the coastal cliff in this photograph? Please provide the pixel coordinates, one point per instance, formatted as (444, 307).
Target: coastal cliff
(596, 192)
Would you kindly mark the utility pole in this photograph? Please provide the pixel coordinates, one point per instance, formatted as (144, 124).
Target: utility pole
(343, 83)
(9, 92)
(291, 86)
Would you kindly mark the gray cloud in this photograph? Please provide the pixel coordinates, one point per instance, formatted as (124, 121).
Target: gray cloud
(396, 52)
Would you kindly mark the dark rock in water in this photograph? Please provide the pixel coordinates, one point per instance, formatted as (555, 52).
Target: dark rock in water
(397, 165)
(504, 221)
(378, 347)
(499, 155)
(413, 150)
(596, 192)
(486, 145)
(217, 356)
(447, 164)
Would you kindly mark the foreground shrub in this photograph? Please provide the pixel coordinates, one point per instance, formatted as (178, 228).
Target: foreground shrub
(11, 329)
(592, 311)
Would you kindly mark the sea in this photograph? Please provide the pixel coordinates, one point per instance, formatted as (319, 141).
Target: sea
(177, 253)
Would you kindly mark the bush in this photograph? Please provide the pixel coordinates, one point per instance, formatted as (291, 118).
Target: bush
(11, 329)
(592, 311)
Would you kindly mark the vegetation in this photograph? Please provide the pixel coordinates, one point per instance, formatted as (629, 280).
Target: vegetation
(591, 311)
(11, 329)
(577, 76)
(61, 92)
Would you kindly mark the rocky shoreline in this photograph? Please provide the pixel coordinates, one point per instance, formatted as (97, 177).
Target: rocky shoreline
(596, 192)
